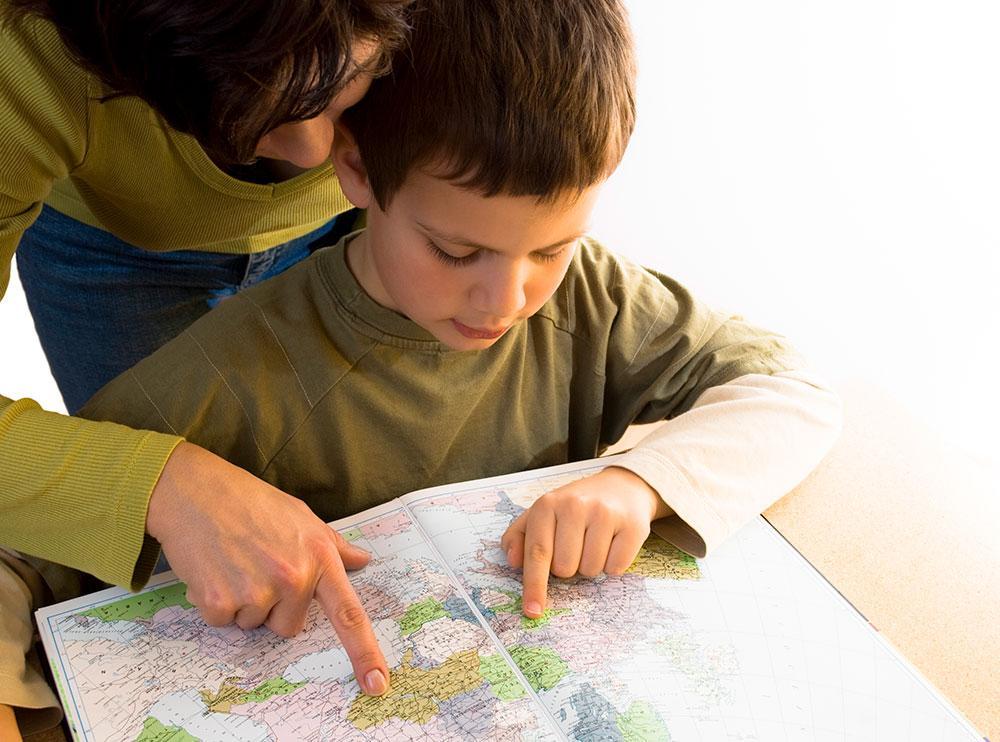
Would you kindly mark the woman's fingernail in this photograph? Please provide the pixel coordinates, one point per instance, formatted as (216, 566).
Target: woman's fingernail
(533, 608)
(375, 681)
(509, 552)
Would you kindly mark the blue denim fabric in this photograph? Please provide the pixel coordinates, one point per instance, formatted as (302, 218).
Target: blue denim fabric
(100, 304)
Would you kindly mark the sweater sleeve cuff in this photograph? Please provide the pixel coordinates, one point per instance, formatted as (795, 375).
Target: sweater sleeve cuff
(76, 491)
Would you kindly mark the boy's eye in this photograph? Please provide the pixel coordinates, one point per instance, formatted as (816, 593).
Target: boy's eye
(548, 257)
(450, 259)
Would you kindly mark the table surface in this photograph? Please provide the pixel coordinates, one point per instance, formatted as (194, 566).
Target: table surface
(906, 530)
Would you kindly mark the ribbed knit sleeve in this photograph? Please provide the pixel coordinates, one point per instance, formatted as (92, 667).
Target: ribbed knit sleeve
(71, 491)
(43, 125)
(76, 491)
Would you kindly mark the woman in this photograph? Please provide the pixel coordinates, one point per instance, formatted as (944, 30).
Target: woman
(154, 158)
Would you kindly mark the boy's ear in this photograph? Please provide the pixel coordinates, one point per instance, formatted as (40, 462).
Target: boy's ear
(350, 168)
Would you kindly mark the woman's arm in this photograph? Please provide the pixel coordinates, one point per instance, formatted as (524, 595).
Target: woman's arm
(75, 491)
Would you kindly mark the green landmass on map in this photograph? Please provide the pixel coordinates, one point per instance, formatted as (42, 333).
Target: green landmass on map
(542, 667)
(142, 607)
(659, 559)
(641, 723)
(154, 731)
(351, 534)
(230, 694)
(420, 613)
(529, 624)
(503, 682)
(415, 694)
(703, 669)
(270, 688)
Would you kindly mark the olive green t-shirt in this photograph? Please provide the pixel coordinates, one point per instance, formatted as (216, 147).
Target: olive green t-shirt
(310, 384)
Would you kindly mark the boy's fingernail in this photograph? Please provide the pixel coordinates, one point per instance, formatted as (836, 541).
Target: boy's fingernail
(375, 681)
(533, 608)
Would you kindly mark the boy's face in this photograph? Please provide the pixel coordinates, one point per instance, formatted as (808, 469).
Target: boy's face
(464, 267)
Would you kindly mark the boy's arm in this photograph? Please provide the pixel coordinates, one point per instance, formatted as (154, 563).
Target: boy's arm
(705, 473)
(745, 421)
(741, 446)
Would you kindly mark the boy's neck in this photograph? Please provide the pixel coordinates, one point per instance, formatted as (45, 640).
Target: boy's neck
(359, 262)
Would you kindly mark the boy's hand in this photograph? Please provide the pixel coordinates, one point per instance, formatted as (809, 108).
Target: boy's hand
(593, 525)
(253, 555)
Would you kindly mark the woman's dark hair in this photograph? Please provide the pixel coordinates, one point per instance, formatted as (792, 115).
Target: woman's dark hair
(225, 71)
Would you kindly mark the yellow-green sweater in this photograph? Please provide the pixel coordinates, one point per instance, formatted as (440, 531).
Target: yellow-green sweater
(114, 165)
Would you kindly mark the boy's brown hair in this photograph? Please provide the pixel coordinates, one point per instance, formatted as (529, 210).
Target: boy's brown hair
(225, 71)
(520, 97)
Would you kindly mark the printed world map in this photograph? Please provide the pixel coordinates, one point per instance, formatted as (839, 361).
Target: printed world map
(748, 644)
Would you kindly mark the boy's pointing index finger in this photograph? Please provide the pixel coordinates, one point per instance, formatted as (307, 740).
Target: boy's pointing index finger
(539, 534)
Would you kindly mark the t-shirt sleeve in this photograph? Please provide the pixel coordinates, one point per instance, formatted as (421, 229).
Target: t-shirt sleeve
(745, 421)
(663, 347)
(180, 389)
(214, 385)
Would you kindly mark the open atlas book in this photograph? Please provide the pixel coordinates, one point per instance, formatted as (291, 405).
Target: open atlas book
(747, 644)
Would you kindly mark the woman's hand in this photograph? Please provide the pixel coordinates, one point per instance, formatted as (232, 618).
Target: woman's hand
(253, 555)
(593, 525)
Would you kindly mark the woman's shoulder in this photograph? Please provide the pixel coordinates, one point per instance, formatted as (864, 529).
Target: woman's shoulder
(37, 72)
(44, 101)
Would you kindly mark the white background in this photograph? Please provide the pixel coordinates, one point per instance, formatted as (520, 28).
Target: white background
(830, 170)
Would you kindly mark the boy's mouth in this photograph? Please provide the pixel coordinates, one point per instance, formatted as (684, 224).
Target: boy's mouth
(478, 333)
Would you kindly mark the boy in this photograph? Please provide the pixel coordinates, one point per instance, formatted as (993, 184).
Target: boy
(472, 330)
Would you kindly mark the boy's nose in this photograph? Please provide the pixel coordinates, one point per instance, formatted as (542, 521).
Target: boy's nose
(502, 294)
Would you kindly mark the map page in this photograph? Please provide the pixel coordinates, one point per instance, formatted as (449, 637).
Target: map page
(747, 644)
